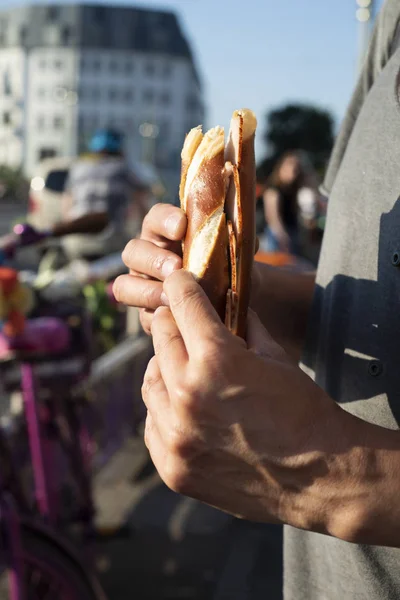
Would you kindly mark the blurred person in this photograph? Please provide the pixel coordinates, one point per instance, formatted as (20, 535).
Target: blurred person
(101, 191)
(315, 448)
(289, 194)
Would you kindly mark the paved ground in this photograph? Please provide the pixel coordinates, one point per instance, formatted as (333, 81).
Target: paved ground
(171, 547)
(178, 548)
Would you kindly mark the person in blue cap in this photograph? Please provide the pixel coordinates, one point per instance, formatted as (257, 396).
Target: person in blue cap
(99, 191)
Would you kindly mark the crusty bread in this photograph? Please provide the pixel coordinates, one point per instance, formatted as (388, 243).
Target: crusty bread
(217, 192)
(205, 247)
(241, 208)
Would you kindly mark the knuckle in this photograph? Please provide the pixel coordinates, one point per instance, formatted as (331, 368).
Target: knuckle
(187, 394)
(148, 429)
(148, 384)
(180, 443)
(146, 318)
(151, 296)
(188, 294)
(117, 285)
(168, 342)
(176, 475)
(129, 252)
(215, 356)
(157, 208)
(155, 262)
(153, 217)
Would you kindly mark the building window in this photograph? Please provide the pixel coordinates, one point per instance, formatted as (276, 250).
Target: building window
(7, 83)
(167, 70)
(22, 34)
(58, 64)
(66, 35)
(128, 67)
(41, 93)
(165, 98)
(112, 95)
(40, 123)
(96, 95)
(113, 66)
(46, 153)
(96, 65)
(7, 117)
(58, 123)
(191, 103)
(53, 12)
(164, 134)
(128, 95)
(88, 122)
(42, 63)
(148, 95)
(99, 13)
(149, 69)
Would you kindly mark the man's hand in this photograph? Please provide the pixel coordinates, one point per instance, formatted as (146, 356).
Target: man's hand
(237, 427)
(242, 428)
(151, 259)
(281, 299)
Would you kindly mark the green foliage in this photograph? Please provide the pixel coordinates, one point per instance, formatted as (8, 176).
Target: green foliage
(104, 313)
(13, 184)
(299, 127)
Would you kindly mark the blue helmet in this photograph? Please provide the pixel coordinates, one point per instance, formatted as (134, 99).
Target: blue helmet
(106, 140)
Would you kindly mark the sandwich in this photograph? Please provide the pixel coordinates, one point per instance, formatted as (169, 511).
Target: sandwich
(217, 193)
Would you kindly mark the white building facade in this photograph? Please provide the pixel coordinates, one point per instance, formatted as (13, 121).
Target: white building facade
(67, 70)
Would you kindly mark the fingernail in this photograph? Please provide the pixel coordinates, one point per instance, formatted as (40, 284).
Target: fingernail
(164, 299)
(172, 223)
(167, 268)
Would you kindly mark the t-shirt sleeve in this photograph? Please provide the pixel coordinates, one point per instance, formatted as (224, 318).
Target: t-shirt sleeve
(384, 43)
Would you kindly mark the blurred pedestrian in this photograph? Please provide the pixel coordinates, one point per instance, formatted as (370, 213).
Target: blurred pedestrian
(100, 191)
(289, 200)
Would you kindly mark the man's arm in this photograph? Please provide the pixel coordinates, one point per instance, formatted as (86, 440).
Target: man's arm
(282, 299)
(90, 223)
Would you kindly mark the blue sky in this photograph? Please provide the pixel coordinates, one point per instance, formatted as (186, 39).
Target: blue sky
(261, 53)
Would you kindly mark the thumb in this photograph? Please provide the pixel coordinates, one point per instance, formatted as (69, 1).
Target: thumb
(259, 340)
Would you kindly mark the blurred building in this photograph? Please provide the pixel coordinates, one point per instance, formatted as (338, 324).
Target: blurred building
(66, 70)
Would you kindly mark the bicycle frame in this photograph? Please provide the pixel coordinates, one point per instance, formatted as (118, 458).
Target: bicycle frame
(40, 447)
(12, 502)
(12, 544)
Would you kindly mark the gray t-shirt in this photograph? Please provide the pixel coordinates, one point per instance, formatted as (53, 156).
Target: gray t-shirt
(353, 339)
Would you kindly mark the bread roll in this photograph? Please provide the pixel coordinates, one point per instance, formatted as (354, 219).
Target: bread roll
(217, 193)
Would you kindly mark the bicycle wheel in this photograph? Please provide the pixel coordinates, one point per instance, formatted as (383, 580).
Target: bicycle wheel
(52, 572)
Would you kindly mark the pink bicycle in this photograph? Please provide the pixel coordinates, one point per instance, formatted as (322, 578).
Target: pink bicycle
(44, 360)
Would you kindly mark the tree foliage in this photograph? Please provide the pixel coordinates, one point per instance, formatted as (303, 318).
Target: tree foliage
(13, 185)
(299, 127)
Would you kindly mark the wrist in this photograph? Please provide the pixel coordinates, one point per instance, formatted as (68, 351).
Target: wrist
(348, 485)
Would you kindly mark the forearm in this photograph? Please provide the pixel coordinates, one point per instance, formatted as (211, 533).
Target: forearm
(282, 300)
(348, 484)
(92, 223)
